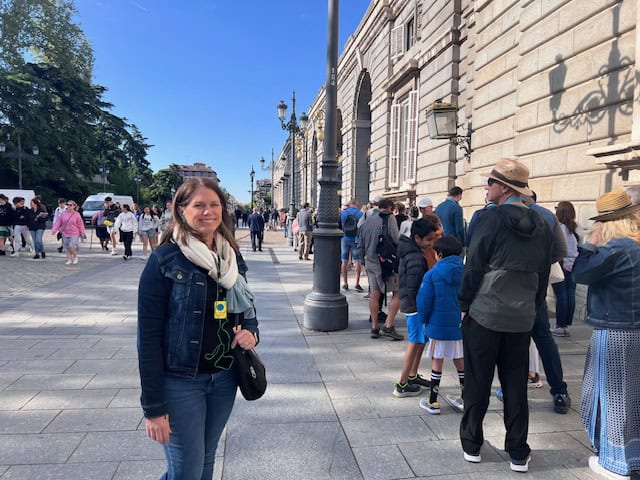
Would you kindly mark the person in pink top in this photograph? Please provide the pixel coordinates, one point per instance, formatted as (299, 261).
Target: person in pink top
(70, 225)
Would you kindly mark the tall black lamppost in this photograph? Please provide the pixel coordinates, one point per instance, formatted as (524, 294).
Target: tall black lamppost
(252, 174)
(35, 150)
(137, 180)
(104, 171)
(293, 129)
(269, 168)
(325, 308)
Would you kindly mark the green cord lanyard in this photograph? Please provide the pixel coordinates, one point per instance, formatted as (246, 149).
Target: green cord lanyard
(220, 306)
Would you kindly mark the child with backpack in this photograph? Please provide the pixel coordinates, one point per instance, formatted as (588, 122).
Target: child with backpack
(439, 310)
(411, 270)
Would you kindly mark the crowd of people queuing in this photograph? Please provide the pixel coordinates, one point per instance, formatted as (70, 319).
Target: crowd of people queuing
(477, 294)
(22, 227)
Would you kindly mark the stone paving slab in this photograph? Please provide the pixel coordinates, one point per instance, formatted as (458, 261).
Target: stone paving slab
(96, 420)
(122, 445)
(12, 422)
(26, 449)
(60, 381)
(63, 399)
(93, 471)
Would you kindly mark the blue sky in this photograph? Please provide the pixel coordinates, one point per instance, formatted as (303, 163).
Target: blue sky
(202, 78)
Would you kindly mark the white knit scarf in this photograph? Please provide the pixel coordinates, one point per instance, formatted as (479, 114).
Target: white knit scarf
(199, 254)
(239, 298)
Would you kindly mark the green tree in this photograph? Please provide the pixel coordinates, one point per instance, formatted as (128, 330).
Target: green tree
(163, 181)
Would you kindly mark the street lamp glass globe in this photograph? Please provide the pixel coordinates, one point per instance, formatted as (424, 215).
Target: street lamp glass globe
(304, 121)
(3, 147)
(35, 150)
(282, 111)
(262, 162)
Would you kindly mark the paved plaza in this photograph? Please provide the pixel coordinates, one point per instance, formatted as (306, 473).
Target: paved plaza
(69, 387)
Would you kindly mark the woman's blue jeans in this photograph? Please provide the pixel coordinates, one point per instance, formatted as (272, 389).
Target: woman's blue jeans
(198, 412)
(36, 235)
(565, 300)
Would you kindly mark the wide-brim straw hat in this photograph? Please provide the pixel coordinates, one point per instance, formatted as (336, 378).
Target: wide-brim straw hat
(613, 205)
(513, 174)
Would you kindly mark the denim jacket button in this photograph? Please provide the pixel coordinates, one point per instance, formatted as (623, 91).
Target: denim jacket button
(179, 276)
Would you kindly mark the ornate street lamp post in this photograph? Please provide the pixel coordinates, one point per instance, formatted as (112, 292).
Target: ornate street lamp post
(269, 168)
(293, 129)
(137, 180)
(35, 150)
(104, 171)
(252, 174)
(325, 308)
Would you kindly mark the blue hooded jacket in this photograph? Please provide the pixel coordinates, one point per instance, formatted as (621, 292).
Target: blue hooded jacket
(438, 299)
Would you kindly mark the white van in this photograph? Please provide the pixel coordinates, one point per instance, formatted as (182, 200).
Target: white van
(95, 203)
(26, 194)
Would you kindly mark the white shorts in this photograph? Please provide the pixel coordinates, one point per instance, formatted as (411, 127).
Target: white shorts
(444, 349)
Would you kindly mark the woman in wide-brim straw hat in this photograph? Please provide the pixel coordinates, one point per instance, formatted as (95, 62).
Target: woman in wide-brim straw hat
(609, 263)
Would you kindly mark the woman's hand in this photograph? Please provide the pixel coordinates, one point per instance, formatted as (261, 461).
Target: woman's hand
(244, 338)
(158, 429)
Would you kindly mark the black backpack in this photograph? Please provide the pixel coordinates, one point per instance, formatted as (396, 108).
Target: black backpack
(387, 251)
(350, 225)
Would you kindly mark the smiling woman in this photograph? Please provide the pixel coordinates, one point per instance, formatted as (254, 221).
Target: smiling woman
(194, 307)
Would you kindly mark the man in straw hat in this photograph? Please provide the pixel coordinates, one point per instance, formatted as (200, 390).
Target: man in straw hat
(504, 278)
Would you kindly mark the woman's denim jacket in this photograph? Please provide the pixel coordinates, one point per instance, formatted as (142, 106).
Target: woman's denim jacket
(613, 275)
(171, 308)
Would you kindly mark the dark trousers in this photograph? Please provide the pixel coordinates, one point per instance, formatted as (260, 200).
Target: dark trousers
(548, 350)
(127, 239)
(256, 240)
(565, 300)
(485, 349)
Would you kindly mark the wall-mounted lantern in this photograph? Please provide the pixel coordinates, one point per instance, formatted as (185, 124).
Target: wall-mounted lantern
(442, 123)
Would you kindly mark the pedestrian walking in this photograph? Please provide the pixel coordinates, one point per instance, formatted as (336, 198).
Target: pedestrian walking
(380, 228)
(148, 225)
(504, 279)
(165, 218)
(101, 230)
(21, 235)
(111, 212)
(565, 290)
(127, 225)
(439, 310)
(305, 229)
(192, 290)
(609, 263)
(405, 226)
(71, 227)
(411, 270)
(37, 227)
(7, 219)
(256, 229)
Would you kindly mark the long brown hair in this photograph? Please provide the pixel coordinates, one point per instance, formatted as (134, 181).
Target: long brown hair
(182, 198)
(567, 216)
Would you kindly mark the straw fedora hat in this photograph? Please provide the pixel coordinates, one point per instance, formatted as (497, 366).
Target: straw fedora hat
(613, 205)
(513, 174)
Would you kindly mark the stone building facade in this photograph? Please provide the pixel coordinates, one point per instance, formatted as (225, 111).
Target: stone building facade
(552, 83)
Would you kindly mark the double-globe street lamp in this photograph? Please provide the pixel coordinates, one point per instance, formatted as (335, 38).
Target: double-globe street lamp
(293, 128)
(269, 168)
(137, 180)
(35, 150)
(252, 174)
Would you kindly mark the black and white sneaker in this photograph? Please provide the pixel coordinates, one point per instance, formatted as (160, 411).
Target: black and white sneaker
(401, 390)
(419, 380)
(521, 466)
(375, 332)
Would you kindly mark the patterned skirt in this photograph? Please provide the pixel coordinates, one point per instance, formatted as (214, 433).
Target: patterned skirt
(610, 406)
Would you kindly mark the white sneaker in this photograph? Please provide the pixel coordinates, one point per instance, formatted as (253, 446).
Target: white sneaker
(472, 458)
(15, 254)
(432, 408)
(75, 260)
(455, 402)
(68, 262)
(521, 466)
(114, 252)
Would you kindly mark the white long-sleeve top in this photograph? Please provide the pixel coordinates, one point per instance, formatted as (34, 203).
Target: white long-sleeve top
(126, 222)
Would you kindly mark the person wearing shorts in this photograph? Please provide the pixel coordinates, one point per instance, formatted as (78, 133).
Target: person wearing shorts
(148, 225)
(349, 245)
(369, 233)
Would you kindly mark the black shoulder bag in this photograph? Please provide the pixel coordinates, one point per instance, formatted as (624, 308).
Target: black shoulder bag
(251, 374)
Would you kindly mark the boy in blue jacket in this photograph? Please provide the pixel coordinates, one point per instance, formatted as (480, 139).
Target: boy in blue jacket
(439, 310)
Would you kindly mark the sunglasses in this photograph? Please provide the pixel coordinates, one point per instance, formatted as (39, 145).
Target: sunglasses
(70, 205)
(491, 181)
